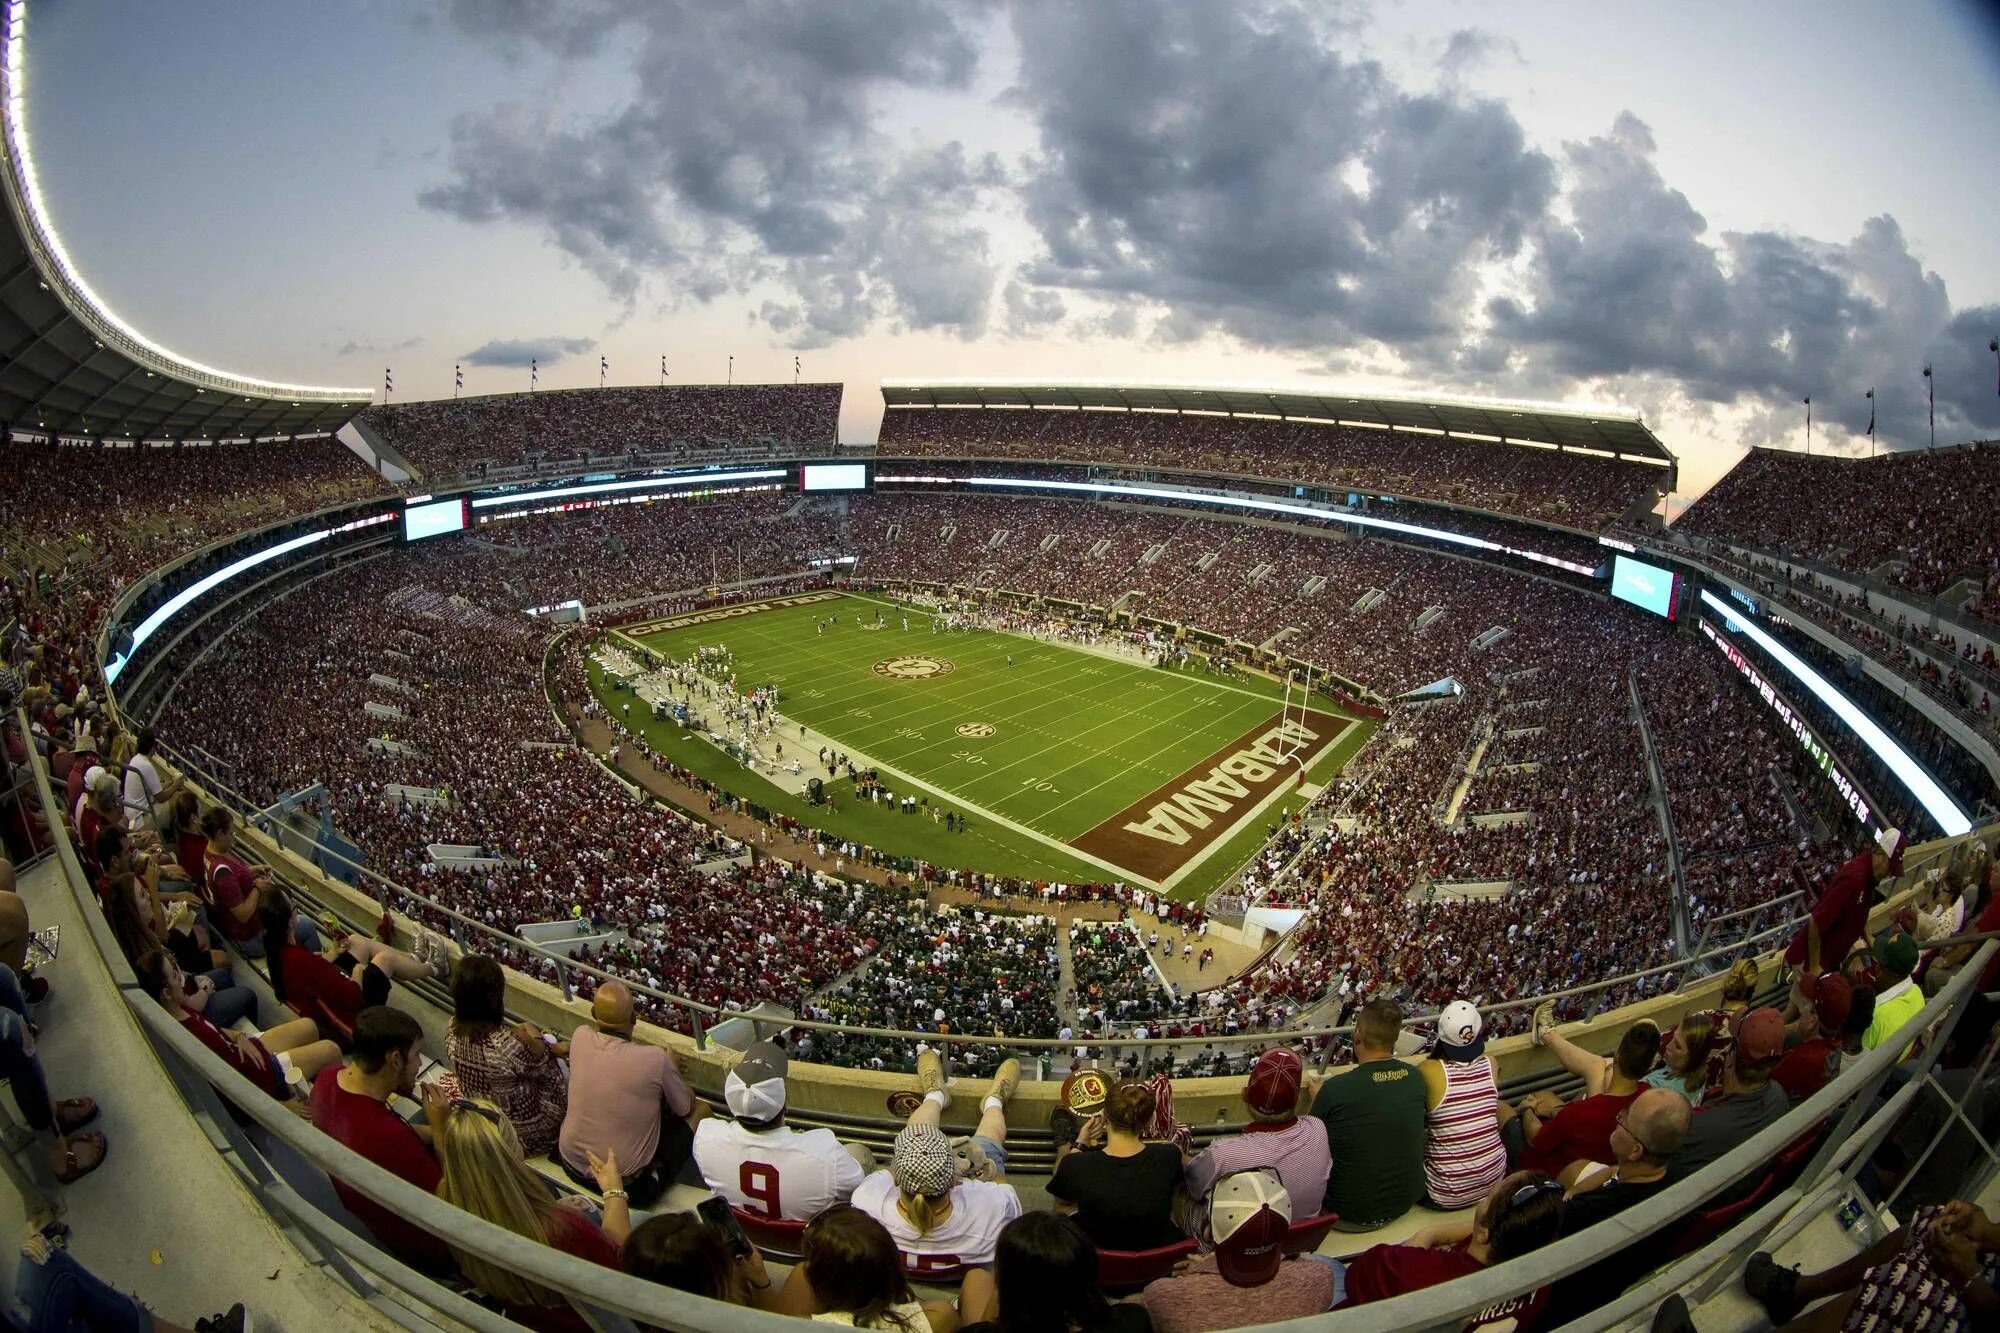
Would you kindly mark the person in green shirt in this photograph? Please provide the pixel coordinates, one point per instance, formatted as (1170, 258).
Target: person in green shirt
(1374, 1118)
(1898, 1000)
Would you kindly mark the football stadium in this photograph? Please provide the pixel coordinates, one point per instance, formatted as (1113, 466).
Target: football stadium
(1112, 851)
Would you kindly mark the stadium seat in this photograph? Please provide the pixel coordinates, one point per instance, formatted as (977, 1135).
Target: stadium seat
(1304, 1235)
(778, 1237)
(1785, 1167)
(1706, 1226)
(1124, 1270)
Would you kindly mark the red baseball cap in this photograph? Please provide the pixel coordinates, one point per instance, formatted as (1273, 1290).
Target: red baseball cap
(1760, 1034)
(1832, 999)
(1274, 1083)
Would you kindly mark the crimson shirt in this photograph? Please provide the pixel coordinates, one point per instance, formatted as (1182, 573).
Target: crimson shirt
(1841, 913)
(578, 1236)
(309, 978)
(1580, 1132)
(229, 883)
(1804, 1069)
(379, 1134)
(1393, 1270)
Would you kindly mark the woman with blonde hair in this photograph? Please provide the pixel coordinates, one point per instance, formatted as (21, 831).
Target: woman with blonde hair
(1684, 1057)
(485, 1174)
(1120, 1188)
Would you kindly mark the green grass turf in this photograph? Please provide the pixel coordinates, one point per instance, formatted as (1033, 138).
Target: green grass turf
(1077, 736)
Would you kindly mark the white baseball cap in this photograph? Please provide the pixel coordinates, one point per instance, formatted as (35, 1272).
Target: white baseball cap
(1460, 1024)
(755, 1088)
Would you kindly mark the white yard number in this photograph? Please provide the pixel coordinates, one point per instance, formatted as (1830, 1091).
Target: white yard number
(910, 733)
(859, 712)
(1035, 784)
(968, 756)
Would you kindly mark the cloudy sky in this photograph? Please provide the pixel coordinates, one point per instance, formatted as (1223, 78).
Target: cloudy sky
(1708, 211)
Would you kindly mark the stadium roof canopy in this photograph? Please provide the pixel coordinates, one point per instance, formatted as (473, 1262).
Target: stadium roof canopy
(1608, 429)
(69, 366)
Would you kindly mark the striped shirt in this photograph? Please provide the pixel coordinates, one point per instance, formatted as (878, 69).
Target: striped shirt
(1463, 1155)
(1297, 1151)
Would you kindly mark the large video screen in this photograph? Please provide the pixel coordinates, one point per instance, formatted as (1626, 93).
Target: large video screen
(434, 519)
(833, 477)
(1648, 587)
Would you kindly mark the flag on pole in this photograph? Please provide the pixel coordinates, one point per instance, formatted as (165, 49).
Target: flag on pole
(534, 373)
(1871, 414)
(603, 369)
(458, 380)
(388, 384)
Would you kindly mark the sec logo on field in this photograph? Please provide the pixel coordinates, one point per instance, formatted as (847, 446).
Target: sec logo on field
(976, 730)
(913, 668)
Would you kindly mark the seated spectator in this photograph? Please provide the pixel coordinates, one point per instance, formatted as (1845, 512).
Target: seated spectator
(1374, 1117)
(146, 796)
(268, 1058)
(235, 889)
(1939, 1264)
(1749, 1101)
(1275, 1137)
(850, 1273)
(307, 982)
(1898, 999)
(1120, 1188)
(1521, 1213)
(1044, 1280)
(681, 1251)
(1807, 1066)
(72, 1155)
(212, 989)
(1245, 1278)
(1684, 1058)
(485, 1174)
(626, 1098)
(1463, 1154)
(1546, 1133)
(61, 1295)
(943, 1221)
(1645, 1139)
(757, 1162)
(190, 843)
(511, 1066)
(350, 1104)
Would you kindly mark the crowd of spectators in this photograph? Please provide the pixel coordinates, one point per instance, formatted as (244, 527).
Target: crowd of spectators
(445, 438)
(1901, 511)
(1577, 490)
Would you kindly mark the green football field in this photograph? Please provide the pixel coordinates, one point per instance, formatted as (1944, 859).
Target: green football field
(1066, 763)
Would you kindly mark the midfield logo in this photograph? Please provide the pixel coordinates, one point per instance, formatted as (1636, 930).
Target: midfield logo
(913, 668)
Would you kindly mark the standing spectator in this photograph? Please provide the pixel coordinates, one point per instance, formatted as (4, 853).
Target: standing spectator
(1898, 1000)
(1805, 1068)
(626, 1098)
(1245, 1278)
(1463, 1154)
(1120, 1188)
(1840, 915)
(72, 1155)
(1275, 1137)
(145, 794)
(351, 1106)
(485, 1174)
(1647, 1135)
(511, 1066)
(760, 1164)
(1374, 1119)
(1749, 1102)
(1044, 1280)
(940, 1221)
(1521, 1213)
(850, 1273)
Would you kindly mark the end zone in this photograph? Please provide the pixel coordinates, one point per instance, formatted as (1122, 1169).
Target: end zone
(1176, 825)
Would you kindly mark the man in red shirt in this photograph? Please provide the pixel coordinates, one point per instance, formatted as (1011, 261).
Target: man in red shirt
(1547, 1134)
(1805, 1068)
(1841, 914)
(351, 1105)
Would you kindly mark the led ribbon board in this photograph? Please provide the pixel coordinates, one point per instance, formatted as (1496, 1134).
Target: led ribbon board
(1280, 507)
(1929, 795)
(680, 481)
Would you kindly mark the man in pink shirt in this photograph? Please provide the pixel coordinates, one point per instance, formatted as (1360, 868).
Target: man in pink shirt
(1276, 1136)
(627, 1098)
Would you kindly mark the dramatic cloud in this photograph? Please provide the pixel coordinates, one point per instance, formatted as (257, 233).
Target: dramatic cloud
(1226, 164)
(1629, 285)
(748, 153)
(519, 352)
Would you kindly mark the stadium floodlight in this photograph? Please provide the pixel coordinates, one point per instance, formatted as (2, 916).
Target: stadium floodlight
(43, 241)
(1922, 785)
